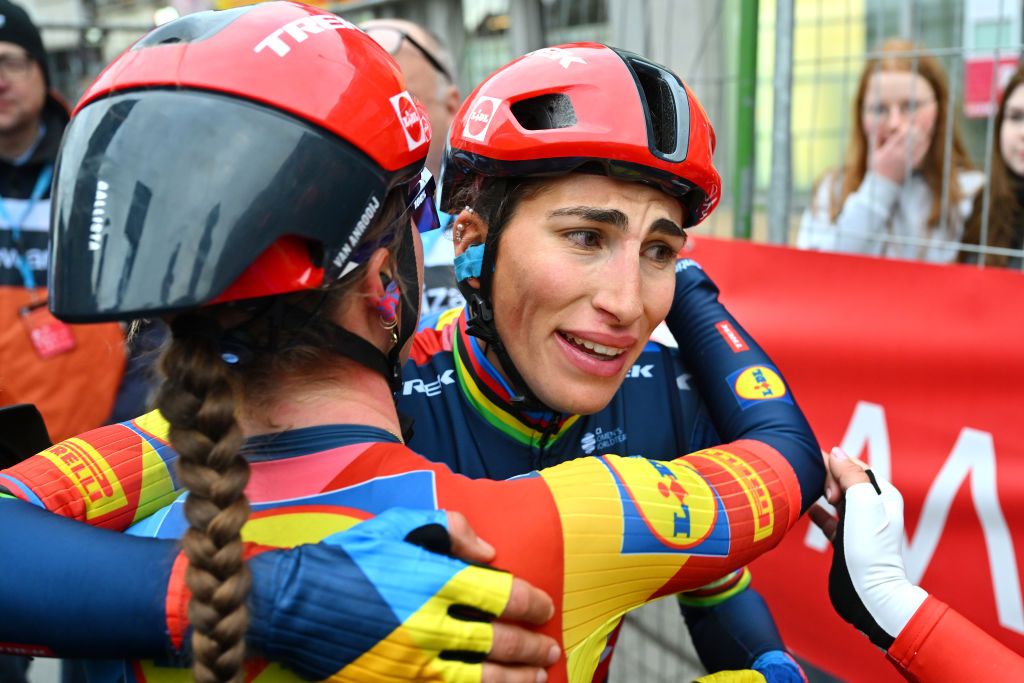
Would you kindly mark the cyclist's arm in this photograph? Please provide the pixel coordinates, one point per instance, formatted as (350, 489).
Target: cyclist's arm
(110, 477)
(730, 624)
(745, 392)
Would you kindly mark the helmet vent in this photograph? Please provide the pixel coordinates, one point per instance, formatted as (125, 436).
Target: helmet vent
(191, 28)
(545, 112)
(661, 104)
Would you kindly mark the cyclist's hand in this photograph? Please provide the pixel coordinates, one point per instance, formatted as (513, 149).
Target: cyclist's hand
(513, 646)
(867, 583)
(373, 603)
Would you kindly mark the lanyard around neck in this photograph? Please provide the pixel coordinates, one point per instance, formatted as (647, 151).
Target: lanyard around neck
(42, 184)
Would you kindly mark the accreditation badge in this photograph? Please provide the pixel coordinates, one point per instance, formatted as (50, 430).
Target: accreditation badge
(50, 337)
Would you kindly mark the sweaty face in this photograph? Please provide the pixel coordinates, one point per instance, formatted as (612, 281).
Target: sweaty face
(585, 272)
(1011, 132)
(894, 100)
(22, 91)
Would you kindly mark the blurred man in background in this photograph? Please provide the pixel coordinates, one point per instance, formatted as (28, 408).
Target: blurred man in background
(42, 360)
(430, 75)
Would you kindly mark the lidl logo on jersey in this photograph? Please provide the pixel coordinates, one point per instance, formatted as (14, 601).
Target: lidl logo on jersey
(667, 507)
(757, 383)
(602, 439)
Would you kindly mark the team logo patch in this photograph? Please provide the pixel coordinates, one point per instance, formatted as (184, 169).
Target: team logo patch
(602, 439)
(757, 383)
(731, 336)
(414, 125)
(668, 508)
(91, 474)
(480, 116)
(758, 496)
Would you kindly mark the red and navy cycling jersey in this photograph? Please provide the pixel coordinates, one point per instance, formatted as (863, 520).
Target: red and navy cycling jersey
(670, 401)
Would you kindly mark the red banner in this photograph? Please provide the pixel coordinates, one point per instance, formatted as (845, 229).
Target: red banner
(917, 369)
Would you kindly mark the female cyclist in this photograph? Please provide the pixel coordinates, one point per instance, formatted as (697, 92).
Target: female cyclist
(302, 382)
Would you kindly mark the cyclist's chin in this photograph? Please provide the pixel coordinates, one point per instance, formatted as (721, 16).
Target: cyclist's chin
(573, 394)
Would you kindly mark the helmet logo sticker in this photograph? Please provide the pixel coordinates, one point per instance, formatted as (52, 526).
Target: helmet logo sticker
(564, 58)
(99, 215)
(479, 119)
(300, 29)
(369, 211)
(409, 116)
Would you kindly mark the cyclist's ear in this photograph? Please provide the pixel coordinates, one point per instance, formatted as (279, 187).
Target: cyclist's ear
(469, 229)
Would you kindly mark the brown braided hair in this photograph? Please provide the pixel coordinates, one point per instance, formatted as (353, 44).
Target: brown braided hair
(200, 397)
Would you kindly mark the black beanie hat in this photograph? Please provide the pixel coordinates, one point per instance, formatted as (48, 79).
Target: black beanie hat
(17, 28)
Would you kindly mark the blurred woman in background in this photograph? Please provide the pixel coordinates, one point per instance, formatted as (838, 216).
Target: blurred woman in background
(1006, 185)
(888, 198)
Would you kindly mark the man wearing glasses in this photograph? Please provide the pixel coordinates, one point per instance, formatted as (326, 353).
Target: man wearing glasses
(42, 360)
(31, 125)
(430, 75)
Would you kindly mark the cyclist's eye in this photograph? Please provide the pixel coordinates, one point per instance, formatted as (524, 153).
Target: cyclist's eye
(584, 238)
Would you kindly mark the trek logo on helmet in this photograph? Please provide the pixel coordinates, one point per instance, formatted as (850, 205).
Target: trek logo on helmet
(564, 58)
(413, 124)
(479, 119)
(300, 29)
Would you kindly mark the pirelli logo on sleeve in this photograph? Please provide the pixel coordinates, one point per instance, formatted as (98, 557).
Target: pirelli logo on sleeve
(758, 496)
(91, 474)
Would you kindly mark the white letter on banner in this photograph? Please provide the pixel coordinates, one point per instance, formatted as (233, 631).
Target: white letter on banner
(973, 455)
(867, 438)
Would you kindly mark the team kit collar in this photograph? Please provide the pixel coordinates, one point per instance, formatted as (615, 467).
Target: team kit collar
(490, 395)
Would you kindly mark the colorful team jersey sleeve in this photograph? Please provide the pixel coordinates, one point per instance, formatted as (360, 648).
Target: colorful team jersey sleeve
(110, 477)
(938, 645)
(746, 394)
(747, 397)
(601, 535)
(604, 535)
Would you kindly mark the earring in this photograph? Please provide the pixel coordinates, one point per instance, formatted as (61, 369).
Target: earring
(392, 326)
(458, 232)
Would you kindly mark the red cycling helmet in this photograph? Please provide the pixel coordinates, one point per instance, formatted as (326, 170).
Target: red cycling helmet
(591, 108)
(230, 155)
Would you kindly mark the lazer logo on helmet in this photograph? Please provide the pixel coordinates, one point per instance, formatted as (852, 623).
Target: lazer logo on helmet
(564, 58)
(480, 116)
(414, 125)
(299, 30)
(99, 216)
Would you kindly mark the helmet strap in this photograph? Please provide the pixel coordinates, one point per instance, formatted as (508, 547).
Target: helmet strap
(480, 322)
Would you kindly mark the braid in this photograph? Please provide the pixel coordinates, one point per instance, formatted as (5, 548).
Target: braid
(197, 398)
